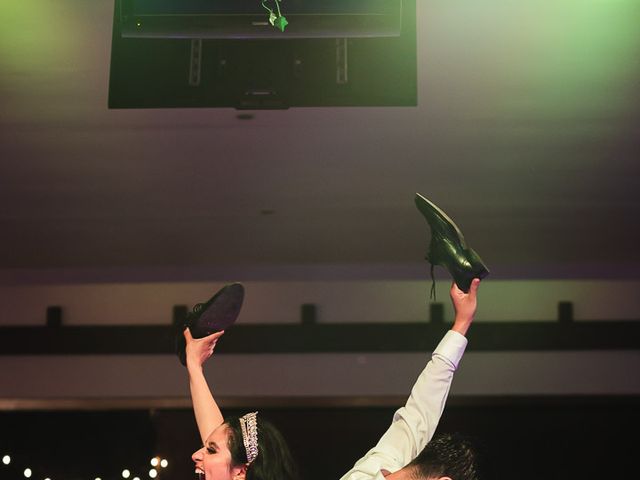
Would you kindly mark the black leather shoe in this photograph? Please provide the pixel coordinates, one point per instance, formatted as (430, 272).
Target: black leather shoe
(219, 313)
(448, 248)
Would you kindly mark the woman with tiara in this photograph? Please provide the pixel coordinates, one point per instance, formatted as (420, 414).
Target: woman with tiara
(245, 448)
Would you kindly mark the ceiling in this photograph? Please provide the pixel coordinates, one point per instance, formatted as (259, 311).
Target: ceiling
(526, 133)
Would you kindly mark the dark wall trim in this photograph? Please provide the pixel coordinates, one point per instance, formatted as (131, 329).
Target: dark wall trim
(327, 338)
(172, 403)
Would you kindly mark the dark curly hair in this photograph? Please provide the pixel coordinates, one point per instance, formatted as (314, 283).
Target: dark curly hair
(274, 460)
(447, 455)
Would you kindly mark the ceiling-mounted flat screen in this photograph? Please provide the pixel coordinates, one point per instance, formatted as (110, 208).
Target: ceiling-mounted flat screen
(187, 70)
(236, 19)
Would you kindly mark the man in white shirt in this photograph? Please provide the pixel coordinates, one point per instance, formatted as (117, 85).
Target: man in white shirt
(405, 452)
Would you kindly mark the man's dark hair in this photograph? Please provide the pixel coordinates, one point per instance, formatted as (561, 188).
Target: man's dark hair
(447, 455)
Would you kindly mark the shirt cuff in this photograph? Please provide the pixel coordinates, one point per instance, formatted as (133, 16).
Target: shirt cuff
(452, 347)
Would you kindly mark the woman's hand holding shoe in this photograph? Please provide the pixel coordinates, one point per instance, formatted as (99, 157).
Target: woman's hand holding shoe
(198, 350)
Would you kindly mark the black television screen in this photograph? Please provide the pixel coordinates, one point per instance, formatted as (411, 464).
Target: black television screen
(175, 61)
(242, 19)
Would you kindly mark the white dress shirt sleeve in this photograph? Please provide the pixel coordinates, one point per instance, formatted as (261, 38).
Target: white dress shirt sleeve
(414, 424)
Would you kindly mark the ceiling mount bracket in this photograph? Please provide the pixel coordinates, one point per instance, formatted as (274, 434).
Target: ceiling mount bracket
(342, 71)
(195, 62)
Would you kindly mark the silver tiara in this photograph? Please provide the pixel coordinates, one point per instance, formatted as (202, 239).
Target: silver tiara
(249, 427)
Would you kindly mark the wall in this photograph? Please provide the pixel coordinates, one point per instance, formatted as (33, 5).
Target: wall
(323, 376)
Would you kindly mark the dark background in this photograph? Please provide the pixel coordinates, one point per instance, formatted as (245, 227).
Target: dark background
(524, 438)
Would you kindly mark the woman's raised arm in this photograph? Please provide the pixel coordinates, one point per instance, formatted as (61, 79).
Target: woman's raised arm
(205, 408)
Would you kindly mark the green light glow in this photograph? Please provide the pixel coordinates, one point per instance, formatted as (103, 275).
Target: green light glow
(35, 33)
(581, 51)
(532, 62)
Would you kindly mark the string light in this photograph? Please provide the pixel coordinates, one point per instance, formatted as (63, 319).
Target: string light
(153, 473)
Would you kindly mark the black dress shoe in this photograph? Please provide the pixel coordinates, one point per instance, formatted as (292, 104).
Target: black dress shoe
(217, 314)
(448, 248)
